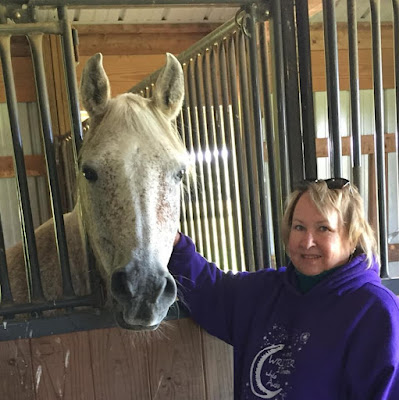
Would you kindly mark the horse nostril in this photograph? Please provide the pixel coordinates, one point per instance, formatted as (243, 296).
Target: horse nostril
(120, 286)
(170, 287)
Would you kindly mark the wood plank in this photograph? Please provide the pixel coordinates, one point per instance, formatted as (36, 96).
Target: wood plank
(62, 367)
(365, 69)
(393, 252)
(16, 380)
(130, 29)
(120, 364)
(367, 145)
(35, 165)
(218, 366)
(363, 33)
(136, 34)
(175, 357)
(314, 7)
(24, 80)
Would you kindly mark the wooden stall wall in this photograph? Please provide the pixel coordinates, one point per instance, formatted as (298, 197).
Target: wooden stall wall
(179, 361)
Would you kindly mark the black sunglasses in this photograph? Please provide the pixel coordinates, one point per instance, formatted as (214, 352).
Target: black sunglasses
(332, 183)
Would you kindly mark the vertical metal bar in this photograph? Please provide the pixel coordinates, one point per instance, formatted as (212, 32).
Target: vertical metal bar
(29, 240)
(276, 204)
(294, 130)
(71, 80)
(188, 192)
(250, 155)
(354, 87)
(379, 134)
(6, 295)
(48, 139)
(197, 151)
(242, 180)
(395, 4)
(215, 151)
(203, 135)
(279, 98)
(331, 55)
(183, 210)
(259, 136)
(232, 154)
(306, 92)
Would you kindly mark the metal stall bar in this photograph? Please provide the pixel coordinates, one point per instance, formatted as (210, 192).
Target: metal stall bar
(29, 240)
(232, 155)
(276, 204)
(71, 80)
(306, 89)
(294, 131)
(192, 179)
(48, 139)
(219, 201)
(184, 221)
(189, 192)
(6, 295)
(204, 132)
(242, 181)
(279, 97)
(247, 120)
(332, 80)
(259, 134)
(395, 4)
(196, 151)
(354, 88)
(379, 134)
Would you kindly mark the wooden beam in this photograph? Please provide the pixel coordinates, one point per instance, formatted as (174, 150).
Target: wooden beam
(367, 145)
(314, 7)
(35, 166)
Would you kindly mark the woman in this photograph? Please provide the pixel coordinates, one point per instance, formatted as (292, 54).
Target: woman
(324, 327)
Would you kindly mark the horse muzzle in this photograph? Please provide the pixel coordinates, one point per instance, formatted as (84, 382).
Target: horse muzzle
(142, 299)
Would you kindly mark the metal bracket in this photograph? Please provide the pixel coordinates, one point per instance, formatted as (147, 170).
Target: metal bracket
(17, 14)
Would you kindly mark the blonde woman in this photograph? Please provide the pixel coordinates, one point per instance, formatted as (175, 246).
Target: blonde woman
(322, 328)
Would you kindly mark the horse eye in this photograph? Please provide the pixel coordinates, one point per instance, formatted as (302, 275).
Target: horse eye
(89, 173)
(180, 174)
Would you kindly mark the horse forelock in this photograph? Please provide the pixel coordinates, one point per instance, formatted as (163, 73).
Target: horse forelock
(131, 118)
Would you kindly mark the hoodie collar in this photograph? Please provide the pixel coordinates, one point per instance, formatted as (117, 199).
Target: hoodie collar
(339, 280)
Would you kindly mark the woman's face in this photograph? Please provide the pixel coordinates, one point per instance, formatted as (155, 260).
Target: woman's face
(316, 244)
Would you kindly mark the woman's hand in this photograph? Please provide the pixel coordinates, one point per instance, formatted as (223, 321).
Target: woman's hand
(177, 238)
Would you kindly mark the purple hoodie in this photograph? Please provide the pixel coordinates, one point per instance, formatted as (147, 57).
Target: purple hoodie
(339, 341)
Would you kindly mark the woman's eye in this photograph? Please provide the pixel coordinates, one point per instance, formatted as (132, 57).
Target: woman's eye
(324, 228)
(89, 173)
(298, 227)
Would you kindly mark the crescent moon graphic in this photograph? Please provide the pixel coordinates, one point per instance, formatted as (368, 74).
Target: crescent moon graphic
(256, 368)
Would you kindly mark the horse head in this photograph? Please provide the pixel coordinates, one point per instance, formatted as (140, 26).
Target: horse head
(130, 167)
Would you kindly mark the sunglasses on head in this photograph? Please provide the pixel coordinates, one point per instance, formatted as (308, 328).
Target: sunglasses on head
(332, 183)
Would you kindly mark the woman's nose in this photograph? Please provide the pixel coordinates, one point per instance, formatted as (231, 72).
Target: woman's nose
(308, 240)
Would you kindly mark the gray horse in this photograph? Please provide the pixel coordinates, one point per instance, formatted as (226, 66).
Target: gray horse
(128, 199)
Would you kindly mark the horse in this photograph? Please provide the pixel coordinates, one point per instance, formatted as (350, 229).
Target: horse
(130, 168)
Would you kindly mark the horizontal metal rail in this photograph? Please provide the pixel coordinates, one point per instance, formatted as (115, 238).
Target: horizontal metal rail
(117, 3)
(51, 28)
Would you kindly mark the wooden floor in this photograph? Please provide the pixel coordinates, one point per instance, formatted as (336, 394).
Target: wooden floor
(179, 361)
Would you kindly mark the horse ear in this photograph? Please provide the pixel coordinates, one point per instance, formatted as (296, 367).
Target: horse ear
(169, 88)
(94, 86)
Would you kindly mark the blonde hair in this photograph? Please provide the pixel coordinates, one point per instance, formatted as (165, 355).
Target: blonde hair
(348, 203)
